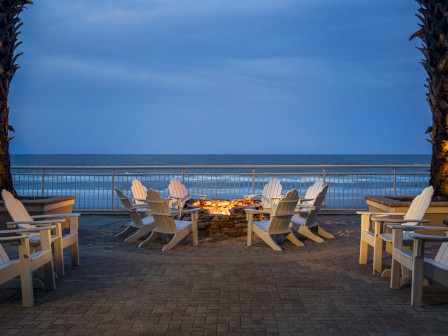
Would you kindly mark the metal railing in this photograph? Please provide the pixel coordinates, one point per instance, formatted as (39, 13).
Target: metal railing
(94, 186)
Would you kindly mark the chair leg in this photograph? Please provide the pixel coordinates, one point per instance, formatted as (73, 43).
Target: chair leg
(126, 231)
(176, 239)
(377, 256)
(293, 239)
(141, 232)
(324, 233)
(266, 237)
(395, 275)
(26, 276)
(74, 252)
(417, 284)
(306, 232)
(153, 236)
(50, 280)
(59, 257)
(363, 252)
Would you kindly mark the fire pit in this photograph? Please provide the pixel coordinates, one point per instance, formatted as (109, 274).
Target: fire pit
(223, 216)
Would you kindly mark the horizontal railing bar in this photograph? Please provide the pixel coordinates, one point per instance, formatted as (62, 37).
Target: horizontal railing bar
(239, 174)
(94, 186)
(222, 167)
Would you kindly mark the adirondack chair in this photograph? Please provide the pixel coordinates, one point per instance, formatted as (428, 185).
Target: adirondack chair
(22, 220)
(139, 193)
(278, 223)
(312, 192)
(165, 222)
(140, 225)
(376, 237)
(27, 262)
(179, 194)
(304, 225)
(435, 269)
(272, 193)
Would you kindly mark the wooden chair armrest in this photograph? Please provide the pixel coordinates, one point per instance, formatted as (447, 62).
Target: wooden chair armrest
(18, 231)
(399, 220)
(374, 213)
(174, 197)
(36, 223)
(66, 215)
(139, 209)
(417, 227)
(429, 238)
(13, 238)
(140, 200)
(303, 199)
(311, 207)
(276, 197)
(172, 213)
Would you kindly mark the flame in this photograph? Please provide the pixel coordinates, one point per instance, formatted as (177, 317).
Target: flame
(221, 207)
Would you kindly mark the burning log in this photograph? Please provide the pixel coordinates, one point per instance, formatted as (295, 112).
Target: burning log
(223, 207)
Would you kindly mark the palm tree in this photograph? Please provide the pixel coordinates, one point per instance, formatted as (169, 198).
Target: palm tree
(433, 32)
(9, 32)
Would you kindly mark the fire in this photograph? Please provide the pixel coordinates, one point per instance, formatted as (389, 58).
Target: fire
(221, 207)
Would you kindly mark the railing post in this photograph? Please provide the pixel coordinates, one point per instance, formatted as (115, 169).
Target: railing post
(395, 181)
(324, 175)
(253, 181)
(113, 189)
(43, 182)
(183, 175)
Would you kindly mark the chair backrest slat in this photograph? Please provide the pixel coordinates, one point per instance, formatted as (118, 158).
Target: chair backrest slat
(283, 212)
(313, 192)
(419, 205)
(271, 190)
(138, 190)
(316, 206)
(442, 254)
(3, 256)
(127, 205)
(16, 210)
(177, 188)
(163, 220)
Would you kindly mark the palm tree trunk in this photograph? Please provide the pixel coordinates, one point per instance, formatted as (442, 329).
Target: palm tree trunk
(9, 27)
(439, 162)
(5, 161)
(434, 35)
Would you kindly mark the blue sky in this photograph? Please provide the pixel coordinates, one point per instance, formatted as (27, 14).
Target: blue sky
(220, 77)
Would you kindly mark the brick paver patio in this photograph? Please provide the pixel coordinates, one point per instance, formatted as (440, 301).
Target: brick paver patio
(222, 287)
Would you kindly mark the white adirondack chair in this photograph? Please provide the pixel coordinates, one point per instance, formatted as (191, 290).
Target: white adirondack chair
(27, 262)
(376, 237)
(304, 225)
(178, 192)
(435, 269)
(272, 193)
(139, 193)
(312, 192)
(22, 220)
(278, 223)
(165, 222)
(140, 225)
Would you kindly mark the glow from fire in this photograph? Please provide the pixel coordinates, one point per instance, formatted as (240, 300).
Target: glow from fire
(221, 207)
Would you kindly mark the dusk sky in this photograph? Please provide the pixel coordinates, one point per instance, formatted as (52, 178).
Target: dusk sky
(220, 77)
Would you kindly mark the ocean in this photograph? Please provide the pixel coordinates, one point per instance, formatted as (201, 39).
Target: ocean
(94, 188)
(214, 159)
